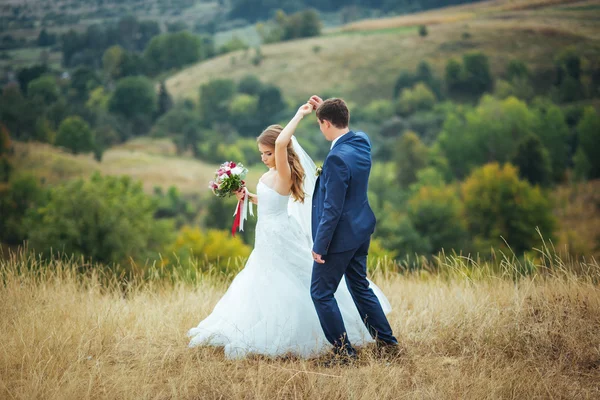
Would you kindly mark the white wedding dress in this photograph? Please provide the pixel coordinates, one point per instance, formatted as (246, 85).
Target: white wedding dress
(268, 309)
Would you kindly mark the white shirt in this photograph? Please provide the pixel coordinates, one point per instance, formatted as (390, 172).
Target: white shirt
(336, 139)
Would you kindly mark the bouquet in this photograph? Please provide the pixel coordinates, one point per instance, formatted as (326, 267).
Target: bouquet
(229, 178)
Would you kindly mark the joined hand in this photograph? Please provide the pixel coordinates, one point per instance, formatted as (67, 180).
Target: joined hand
(315, 101)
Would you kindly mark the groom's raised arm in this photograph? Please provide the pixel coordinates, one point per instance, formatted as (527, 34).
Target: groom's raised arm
(337, 176)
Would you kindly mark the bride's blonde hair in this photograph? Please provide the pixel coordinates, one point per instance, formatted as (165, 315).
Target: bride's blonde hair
(267, 138)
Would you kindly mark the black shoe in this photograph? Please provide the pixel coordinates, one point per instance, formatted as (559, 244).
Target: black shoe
(339, 360)
(389, 351)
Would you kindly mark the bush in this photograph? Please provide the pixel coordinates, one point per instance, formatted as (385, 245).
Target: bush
(533, 161)
(243, 110)
(173, 50)
(376, 111)
(234, 44)
(106, 219)
(249, 84)
(410, 157)
(419, 98)
(75, 134)
(212, 246)
(499, 206)
(44, 88)
(133, 97)
(22, 195)
(490, 132)
(436, 214)
(588, 130)
(214, 100)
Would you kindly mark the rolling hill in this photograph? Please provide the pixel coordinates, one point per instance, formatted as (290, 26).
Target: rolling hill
(152, 161)
(362, 60)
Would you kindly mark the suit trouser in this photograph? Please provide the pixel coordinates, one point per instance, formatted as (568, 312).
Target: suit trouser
(325, 281)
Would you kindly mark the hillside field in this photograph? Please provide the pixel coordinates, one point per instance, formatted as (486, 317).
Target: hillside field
(362, 60)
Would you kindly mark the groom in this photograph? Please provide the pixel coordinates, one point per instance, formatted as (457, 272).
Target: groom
(342, 224)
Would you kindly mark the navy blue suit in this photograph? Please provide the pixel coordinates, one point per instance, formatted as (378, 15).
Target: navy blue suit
(342, 224)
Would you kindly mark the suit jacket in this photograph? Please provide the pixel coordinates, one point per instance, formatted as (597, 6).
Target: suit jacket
(342, 218)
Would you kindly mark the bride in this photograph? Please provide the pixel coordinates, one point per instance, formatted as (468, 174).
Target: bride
(268, 307)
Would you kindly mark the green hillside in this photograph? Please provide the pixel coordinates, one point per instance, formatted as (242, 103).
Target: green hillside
(361, 61)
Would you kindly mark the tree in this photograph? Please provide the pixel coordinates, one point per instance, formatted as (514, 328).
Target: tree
(376, 111)
(270, 104)
(44, 88)
(588, 131)
(436, 214)
(310, 23)
(499, 206)
(46, 39)
(165, 102)
(568, 75)
(419, 98)
(84, 80)
(112, 60)
(106, 219)
(75, 134)
(582, 166)
(28, 74)
(134, 96)
(214, 100)
(533, 161)
(22, 195)
(184, 125)
(454, 77)
(477, 74)
(398, 233)
(425, 74)
(173, 50)
(19, 114)
(243, 110)
(250, 84)
(410, 157)
(516, 69)
(554, 134)
(405, 80)
(490, 132)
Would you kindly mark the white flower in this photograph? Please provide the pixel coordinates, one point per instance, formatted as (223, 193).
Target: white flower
(237, 171)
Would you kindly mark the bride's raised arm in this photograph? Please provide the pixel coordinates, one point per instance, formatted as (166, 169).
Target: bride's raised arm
(284, 172)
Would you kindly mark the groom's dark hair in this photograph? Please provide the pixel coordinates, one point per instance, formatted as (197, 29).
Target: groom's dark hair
(335, 111)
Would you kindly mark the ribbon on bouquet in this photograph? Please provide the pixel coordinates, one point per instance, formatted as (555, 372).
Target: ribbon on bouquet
(241, 213)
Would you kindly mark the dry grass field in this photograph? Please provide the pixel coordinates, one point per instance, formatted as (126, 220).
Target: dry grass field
(470, 333)
(362, 60)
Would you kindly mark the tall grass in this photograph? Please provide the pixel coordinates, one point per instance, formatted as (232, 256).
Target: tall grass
(504, 328)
